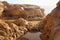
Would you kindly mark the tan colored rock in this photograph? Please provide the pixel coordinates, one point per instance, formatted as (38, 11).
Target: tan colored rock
(1, 8)
(10, 30)
(58, 4)
(26, 11)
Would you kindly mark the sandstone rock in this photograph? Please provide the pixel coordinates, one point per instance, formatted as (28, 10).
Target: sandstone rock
(1, 8)
(58, 4)
(10, 30)
(26, 11)
(14, 13)
(50, 25)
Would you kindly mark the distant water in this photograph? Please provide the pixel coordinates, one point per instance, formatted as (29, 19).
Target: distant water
(33, 36)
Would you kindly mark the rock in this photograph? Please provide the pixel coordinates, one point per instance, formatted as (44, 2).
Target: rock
(22, 38)
(34, 12)
(58, 4)
(10, 30)
(26, 11)
(1, 8)
(14, 13)
(50, 25)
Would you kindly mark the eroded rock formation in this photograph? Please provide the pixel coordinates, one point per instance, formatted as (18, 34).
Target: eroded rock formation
(50, 25)
(11, 30)
(25, 11)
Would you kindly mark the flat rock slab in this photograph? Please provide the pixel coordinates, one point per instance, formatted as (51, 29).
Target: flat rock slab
(30, 36)
(33, 36)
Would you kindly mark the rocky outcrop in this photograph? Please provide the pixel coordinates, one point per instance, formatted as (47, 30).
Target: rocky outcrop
(50, 25)
(11, 30)
(26, 11)
(58, 4)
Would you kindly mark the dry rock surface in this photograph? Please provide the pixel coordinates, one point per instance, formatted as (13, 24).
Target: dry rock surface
(50, 25)
(11, 30)
(12, 19)
(26, 11)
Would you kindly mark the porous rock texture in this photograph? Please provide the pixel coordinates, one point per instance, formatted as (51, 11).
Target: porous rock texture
(11, 30)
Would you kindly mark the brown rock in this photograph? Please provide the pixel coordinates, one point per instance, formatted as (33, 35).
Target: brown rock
(58, 4)
(50, 25)
(15, 13)
(27, 11)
